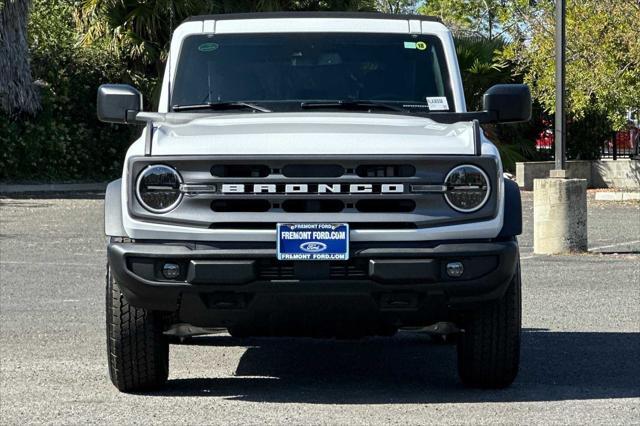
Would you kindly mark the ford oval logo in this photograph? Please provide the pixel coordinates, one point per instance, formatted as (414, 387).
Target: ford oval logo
(313, 247)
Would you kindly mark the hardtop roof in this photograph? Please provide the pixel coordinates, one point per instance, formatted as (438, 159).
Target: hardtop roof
(343, 15)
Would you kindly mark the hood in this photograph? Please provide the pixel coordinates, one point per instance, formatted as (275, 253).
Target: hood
(310, 134)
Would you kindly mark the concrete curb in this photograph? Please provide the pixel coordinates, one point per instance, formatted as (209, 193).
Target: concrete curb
(617, 196)
(52, 188)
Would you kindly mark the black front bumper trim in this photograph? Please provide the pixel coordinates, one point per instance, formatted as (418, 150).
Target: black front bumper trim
(489, 267)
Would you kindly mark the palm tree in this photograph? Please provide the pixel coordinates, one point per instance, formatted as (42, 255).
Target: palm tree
(481, 66)
(17, 91)
(141, 29)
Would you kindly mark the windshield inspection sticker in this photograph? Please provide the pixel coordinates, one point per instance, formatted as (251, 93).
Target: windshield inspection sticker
(208, 47)
(438, 103)
(421, 45)
(409, 44)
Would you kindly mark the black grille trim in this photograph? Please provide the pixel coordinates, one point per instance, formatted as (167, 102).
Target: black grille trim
(274, 270)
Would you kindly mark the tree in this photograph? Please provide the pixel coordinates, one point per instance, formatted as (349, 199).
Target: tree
(140, 30)
(396, 6)
(481, 67)
(485, 18)
(17, 91)
(603, 56)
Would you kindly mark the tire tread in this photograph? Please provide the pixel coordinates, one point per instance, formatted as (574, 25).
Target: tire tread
(137, 350)
(489, 348)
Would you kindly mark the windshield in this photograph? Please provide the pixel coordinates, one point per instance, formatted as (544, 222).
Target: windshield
(286, 71)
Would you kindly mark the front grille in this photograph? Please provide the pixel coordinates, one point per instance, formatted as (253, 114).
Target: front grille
(313, 170)
(384, 206)
(314, 188)
(313, 206)
(240, 171)
(273, 270)
(327, 188)
(349, 270)
(386, 170)
(240, 206)
(370, 192)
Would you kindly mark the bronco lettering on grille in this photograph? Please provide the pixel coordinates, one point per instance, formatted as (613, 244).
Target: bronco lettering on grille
(303, 188)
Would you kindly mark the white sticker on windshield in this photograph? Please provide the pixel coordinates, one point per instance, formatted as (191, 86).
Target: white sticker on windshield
(438, 103)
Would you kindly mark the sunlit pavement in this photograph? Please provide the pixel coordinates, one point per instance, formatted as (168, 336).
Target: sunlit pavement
(581, 343)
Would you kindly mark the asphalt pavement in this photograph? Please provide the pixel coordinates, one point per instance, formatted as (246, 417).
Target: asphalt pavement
(580, 354)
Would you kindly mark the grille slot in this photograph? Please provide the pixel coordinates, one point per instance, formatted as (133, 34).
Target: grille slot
(273, 269)
(349, 270)
(386, 206)
(386, 170)
(241, 170)
(227, 206)
(313, 170)
(313, 206)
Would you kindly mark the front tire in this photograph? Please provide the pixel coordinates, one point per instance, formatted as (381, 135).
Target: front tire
(137, 349)
(489, 347)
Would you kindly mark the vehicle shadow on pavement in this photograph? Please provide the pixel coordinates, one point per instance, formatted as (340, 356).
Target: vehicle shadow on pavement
(409, 369)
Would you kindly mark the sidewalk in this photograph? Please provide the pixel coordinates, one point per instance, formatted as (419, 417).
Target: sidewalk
(52, 188)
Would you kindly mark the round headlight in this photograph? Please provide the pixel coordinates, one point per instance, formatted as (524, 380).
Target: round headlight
(158, 188)
(468, 188)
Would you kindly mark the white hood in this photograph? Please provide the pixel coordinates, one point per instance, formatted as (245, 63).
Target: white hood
(310, 134)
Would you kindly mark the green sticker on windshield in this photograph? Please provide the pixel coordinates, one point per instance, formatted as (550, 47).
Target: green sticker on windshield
(409, 44)
(208, 47)
(421, 45)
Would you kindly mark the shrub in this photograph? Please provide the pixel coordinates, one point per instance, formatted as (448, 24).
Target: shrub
(586, 135)
(64, 140)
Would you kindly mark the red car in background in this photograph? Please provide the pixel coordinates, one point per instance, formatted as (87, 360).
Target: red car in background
(623, 144)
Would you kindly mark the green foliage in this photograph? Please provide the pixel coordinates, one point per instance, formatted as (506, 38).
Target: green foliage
(64, 141)
(139, 30)
(586, 135)
(396, 6)
(603, 53)
(603, 56)
(486, 18)
(481, 67)
(78, 44)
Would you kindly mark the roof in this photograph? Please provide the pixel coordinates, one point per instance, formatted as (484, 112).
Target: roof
(343, 15)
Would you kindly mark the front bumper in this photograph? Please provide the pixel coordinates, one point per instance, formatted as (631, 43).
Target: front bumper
(234, 284)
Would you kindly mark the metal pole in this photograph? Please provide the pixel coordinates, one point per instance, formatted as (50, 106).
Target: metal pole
(560, 119)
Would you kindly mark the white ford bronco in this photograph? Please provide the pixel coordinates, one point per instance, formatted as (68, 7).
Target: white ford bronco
(312, 174)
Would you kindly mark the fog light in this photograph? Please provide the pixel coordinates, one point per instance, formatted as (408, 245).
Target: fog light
(171, 271)
(455, 269)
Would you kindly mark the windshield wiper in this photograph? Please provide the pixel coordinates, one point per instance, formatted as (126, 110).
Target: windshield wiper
(220, 106)
(353, 105)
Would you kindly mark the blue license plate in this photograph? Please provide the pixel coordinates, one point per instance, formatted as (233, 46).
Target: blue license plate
(313, 241)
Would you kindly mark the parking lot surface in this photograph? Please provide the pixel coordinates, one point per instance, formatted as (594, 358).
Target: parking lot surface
(580, 353)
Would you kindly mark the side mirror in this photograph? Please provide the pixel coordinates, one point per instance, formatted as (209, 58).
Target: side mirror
(508, 103)
(118, 103)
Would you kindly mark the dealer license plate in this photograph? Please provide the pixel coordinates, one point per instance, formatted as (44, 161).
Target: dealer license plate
(313, 241)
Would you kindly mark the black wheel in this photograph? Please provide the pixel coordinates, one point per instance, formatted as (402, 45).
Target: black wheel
(240, 332)
(489, 347)
(138, 352)
(444, 339)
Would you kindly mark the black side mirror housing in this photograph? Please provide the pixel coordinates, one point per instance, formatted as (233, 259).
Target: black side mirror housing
(118, 103)
(508, 103)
